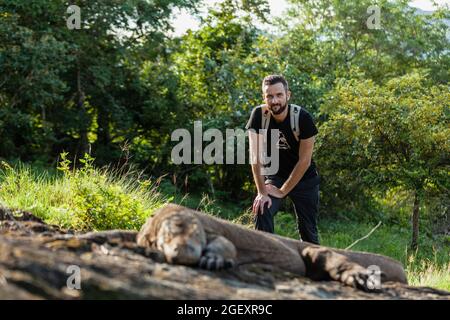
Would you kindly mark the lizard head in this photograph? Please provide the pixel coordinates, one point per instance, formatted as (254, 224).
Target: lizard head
(182, 239)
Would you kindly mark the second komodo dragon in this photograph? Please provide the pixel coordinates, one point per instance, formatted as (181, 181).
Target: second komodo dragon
(189, 237)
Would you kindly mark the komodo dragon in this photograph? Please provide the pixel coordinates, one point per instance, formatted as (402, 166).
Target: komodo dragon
(188, 237)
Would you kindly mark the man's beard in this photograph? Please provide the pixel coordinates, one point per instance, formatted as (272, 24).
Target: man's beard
(280, 110)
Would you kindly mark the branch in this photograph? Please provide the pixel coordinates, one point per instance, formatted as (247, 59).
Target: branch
(365, 237)
(385, 136)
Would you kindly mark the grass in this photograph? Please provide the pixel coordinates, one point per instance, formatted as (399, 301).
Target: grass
(98, 199)
(82, 199)
(431, 275)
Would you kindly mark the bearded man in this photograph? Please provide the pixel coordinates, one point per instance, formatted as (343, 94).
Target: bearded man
(297, 176)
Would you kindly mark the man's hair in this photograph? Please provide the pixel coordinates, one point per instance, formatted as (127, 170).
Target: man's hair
(274, 79)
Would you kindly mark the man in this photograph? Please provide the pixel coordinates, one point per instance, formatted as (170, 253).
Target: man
(297, 176)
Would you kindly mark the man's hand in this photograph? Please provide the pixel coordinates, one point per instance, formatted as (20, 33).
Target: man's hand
(274, 191)
(259, 203)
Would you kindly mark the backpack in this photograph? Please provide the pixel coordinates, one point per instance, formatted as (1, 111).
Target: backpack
(294, 115)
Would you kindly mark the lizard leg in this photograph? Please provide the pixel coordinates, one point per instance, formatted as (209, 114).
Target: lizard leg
(323, 263)
(219, 253)
(383, 268)
(389, 269)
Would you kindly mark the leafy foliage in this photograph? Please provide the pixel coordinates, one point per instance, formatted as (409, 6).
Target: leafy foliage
(82, 199)
(396, 135)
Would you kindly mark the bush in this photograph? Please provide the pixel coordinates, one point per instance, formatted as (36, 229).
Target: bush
(86, 198)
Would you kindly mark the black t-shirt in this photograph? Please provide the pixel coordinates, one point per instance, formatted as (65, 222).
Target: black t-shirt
(287, 144)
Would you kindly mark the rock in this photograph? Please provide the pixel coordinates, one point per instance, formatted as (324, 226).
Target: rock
(35, 261)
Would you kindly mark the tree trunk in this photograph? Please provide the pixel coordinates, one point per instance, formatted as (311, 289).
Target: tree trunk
(103, 134)
(415, 221)
(83, 143)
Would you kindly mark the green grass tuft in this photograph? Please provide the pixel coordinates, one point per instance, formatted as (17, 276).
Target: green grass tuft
(82, 199)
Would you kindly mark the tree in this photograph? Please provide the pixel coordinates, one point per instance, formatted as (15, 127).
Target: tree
(64, 89)
(331, 39)
(394, 135)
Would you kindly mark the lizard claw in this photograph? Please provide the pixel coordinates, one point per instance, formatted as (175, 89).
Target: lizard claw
(229, 263)
(203, 262)
(214, 262)
(361, 278)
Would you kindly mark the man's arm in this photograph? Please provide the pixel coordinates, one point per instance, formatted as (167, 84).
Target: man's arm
(262, 198)
(255, 162)
(305, 155)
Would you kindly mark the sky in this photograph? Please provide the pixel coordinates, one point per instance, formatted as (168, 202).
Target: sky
(183, 21)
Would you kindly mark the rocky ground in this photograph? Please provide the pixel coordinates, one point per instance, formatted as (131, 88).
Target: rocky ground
(36, 260)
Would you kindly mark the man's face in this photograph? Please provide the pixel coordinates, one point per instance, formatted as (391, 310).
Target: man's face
(276, 97)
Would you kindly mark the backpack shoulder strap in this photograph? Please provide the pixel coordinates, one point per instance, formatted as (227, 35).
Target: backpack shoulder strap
(295, 116)
(265, 119)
